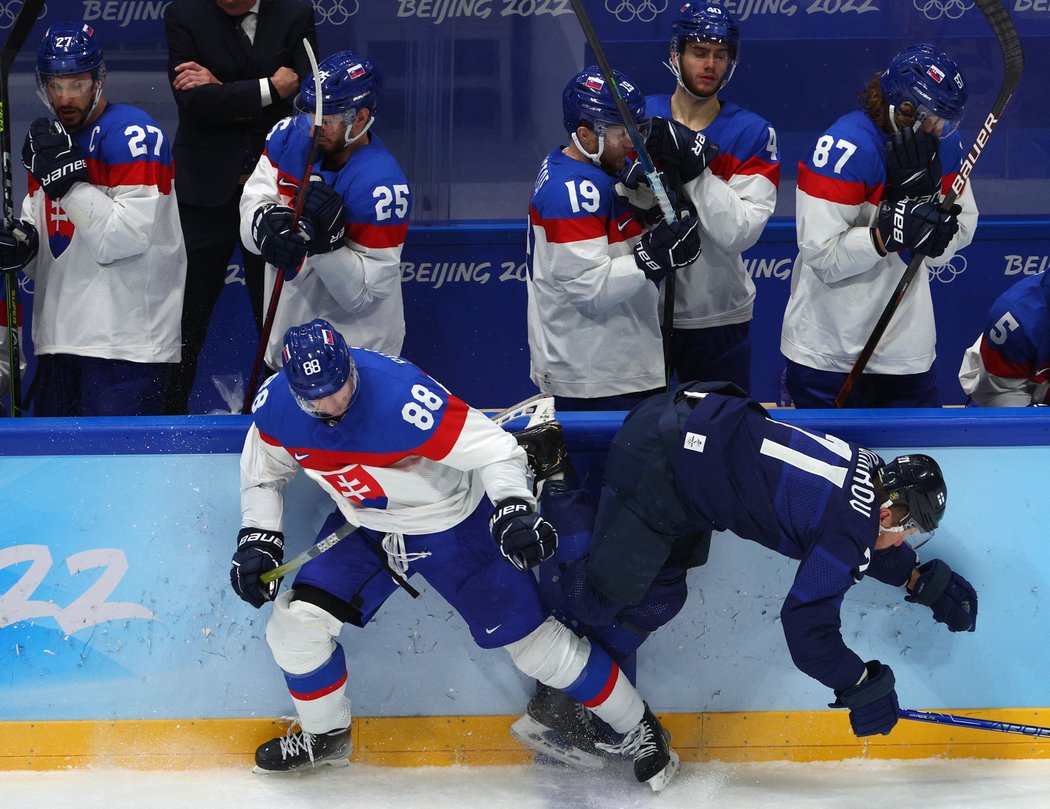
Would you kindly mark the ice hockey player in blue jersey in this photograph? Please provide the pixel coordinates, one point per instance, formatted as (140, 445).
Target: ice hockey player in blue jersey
(343, 263)
(432, 487)
(705, 458)
(723, 160)
(1009, 365)
(867, 198)
(594, 271)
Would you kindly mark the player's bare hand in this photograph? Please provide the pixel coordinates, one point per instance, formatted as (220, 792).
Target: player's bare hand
(191, 74)
(286, 81)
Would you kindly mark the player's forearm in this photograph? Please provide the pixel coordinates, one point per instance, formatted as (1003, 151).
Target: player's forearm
(594, 284)
(734, 214)
(117, 228)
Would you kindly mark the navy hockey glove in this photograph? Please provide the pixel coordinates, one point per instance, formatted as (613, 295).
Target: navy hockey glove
(323, 207)
(872, 704)
(50, 155)
(668, 247)
(913, 165)
(18, 245)
(920, 226)
(634, 192)
(952, 598)
(257, 552)
(524, 537)
(672, 144)
(277, 242)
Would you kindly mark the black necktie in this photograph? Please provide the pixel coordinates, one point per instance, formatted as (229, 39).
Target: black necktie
(246, 41)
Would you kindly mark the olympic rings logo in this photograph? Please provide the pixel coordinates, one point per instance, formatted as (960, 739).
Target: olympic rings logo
(336, 12)
(9, 10)
(946, 273)
(935, 9)
(641, 10)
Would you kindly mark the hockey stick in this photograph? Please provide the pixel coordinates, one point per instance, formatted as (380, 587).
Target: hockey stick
(1003, 28)
(15, 40)
(297, 211)
(651, 174)
(538, 408)
(972, 722)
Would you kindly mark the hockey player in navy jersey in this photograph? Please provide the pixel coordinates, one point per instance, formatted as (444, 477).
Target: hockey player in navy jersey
(434, 487)
(100, 236)
(1009, 365)
(705, 458)
(723, 160)
(594, 271)
(867, 199)
(343, 262)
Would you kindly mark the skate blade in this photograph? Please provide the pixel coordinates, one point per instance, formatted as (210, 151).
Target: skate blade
(663, 778)
(306, 768)
(543, 740)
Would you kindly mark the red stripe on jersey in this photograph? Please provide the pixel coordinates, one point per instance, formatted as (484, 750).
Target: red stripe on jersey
(998, 365)
(367, 234)
(756, 165)
(607, 689)
(139, 172)
(320, 692)
(832, 190)
(947, 180)
(568, 230)
(287, 186)
(626, 226)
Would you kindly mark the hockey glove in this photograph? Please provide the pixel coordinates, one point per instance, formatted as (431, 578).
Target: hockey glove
(257, 552)
(919, 226)
(18, 245)
(672, 144)
(872, 704)
(54, 160)
(913, 166)
(668, 247)
(952, 598)
(524, 537)
(323, 207)
(634, 191)
(278, 243)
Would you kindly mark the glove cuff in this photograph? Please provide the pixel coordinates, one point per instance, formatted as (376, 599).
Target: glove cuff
(259, 536)
(879, 684)
(509, 507)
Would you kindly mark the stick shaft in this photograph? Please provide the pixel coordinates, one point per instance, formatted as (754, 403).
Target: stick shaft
(973, 723)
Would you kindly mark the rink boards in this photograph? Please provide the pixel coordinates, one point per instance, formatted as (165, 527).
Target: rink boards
(121, 641)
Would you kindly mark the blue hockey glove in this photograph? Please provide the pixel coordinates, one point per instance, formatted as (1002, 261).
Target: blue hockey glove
(257, 552)
(668, 247)
(323, 207)
(920, 226)
(671, 144)
(524, 537)
(18, 245)
(913, 166)
(54, 160)
(277, 242)
(634, 192)
(952, 598)
(872, 704)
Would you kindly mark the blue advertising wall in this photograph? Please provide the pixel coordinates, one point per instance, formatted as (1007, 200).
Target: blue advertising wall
(115, 600)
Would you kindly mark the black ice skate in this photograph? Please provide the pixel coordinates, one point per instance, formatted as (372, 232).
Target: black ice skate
(544, 446)
(299, 750)
(655, 763)
(557, 726)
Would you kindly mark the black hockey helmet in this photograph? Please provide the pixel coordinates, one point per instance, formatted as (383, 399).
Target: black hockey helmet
(916, 482)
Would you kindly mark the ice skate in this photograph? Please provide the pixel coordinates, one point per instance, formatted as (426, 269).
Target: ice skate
(557, 726)
(299, 750)
(655, 763)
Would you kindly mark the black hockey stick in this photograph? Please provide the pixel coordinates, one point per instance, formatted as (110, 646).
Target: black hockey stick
(15, 40)
(973, 722)
(651, 174)
(297, 211)
(1003, 28)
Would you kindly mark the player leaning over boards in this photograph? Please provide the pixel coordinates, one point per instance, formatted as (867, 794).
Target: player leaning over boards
(437, 489)
(867, 198)
(594, 276)
(706, 458)
(733, 198)
(344, 263)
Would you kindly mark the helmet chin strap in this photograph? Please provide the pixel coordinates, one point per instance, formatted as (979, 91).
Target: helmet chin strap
(672, 65)
(347, 140)
(596, 158)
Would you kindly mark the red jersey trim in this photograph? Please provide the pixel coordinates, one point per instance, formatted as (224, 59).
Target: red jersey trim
(843, 192)
(375, 236)
(997, 365)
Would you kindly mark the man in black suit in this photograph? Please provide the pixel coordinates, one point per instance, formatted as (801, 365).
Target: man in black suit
(235, 66)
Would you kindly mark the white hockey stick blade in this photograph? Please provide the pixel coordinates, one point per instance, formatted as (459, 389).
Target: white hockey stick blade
(546, 742)
(538, 409)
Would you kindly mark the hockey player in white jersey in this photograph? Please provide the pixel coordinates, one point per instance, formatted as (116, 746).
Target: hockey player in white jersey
(433, 487)
(100, 236)
(344, 261)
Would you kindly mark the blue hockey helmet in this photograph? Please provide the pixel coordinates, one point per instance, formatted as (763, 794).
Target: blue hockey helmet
(317, 363)
(704, 22)
(588, 99)
(916, 482)
(68, 49)
(929, 79)
(349, 83)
